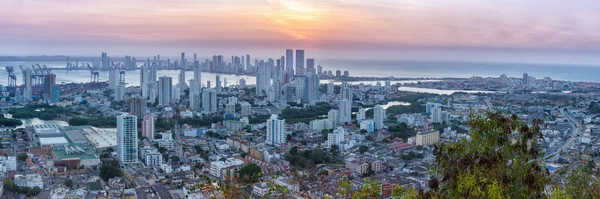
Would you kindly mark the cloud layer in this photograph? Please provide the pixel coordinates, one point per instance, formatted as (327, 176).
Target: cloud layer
(34, 26)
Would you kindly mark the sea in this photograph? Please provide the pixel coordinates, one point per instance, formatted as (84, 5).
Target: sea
(358, 68)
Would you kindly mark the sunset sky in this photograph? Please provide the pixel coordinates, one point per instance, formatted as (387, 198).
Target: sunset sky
(553, 31)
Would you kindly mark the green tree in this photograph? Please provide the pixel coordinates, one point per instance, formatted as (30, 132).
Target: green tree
(317, 156)
(335, 151)
(68, 183)
(175, 158)
(370, 190)
(362, 149)
(344, 188)
(22, 156)
(34, 192)
(250, 173)
(581, 184)
(496, 163)
(363, 131)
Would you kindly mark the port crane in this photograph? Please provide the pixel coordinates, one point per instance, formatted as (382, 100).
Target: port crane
(94, 75)
(12, 78)
(121, 73)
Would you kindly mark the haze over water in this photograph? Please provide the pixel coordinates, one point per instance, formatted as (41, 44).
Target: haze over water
(358, 68)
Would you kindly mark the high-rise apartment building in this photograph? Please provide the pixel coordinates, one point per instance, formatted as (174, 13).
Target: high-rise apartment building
(165, 93)
(276, 133)
(378, 116)
(289, 62)
(209, 100)
(299, 62)
(148, 130)
(127, 139)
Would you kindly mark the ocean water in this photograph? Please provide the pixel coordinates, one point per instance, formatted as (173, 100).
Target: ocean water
(361, 68)
(132, 77)
(439, 69)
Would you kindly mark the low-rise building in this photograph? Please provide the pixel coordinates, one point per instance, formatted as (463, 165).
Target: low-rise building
(29, 180)
(427, 138)
(227, 169)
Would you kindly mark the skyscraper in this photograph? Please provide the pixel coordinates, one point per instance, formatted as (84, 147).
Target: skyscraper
(246, 109)
(218, 84)
(209, 100)
(345, 107)
(182, 63)
(49, 83)
(361, 114)
(181, 82)
(27, 92)
(127, 139)
(276, 133)
(379, 116)
(299, 62)
(310, 66)
(195, 101)
(113, 78)
(165, 93)
(148, 126)
(289, 62)
(525, 79)
(311, 88)
(137, 106)
(197, 74)
(263, 78)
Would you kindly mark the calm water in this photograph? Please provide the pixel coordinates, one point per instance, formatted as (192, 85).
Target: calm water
(361, 68)
(132, 78)
(438, 91)
(432, 69)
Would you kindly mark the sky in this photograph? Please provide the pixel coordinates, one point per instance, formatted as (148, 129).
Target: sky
(548, 31)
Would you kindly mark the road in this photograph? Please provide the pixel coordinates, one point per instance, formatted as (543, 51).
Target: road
(489, 105)
(570, 140)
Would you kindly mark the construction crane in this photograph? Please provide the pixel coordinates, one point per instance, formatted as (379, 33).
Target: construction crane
(12, 78)
(94, 75)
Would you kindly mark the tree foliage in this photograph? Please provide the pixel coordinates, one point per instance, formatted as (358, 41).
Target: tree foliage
(250, 173)
(501, 161)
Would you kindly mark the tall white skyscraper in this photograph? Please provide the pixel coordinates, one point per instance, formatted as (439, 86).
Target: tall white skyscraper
(378, 116)
(182, 63)
(345, 107)
(27, 92)
(127, 139)
(436, 114)
(299, 62)
(263, 78)
(148, 130)
(246, 109)
(113, 78)
(195, 101)
(330, 88)
(310, 66)
(165, 93)
(181, 79)
(209, 100)
(361, 114)
(289, 62)
(218, 84)
(197, 74)
(346, 93)
(276, 133)
(311, 88)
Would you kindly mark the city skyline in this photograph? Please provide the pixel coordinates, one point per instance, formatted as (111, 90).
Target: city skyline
(436, 30)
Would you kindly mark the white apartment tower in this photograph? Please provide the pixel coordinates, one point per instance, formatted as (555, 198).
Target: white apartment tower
(379, 116)
(276, 133)
(127, 138)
